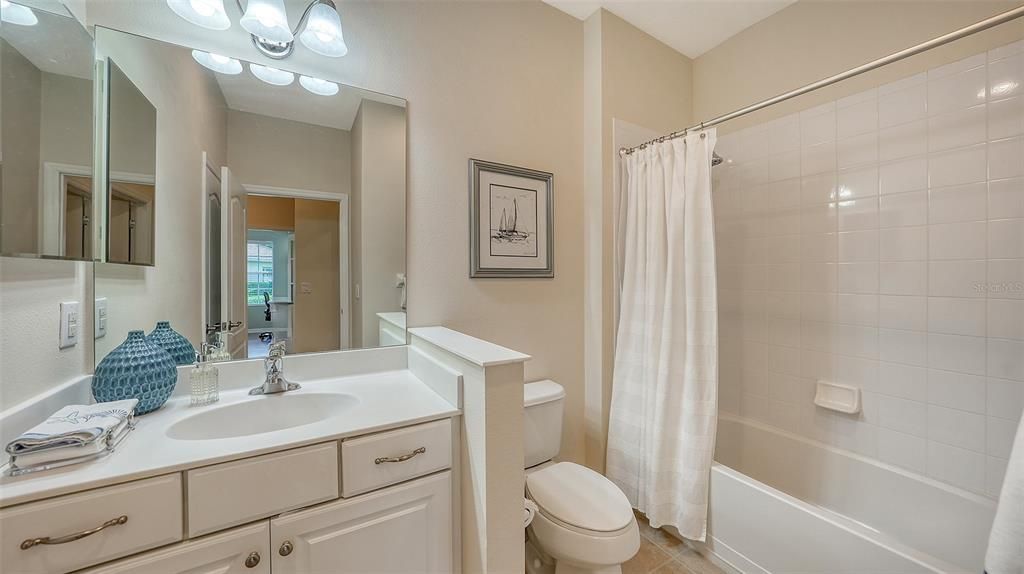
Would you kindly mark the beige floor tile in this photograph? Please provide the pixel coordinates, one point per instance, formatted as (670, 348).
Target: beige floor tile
(672, 567)
(647, 559)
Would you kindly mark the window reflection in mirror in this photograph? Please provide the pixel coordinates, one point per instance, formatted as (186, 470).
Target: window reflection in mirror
(281, 213)
(46, 114)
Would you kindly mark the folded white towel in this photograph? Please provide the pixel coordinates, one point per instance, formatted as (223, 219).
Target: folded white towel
(74, 426)
(1006, 541)
(49, 456)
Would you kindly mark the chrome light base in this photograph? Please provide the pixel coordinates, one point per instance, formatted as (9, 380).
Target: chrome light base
(272, 49)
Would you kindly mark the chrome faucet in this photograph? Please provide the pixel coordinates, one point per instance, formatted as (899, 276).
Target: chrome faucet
(274, 367)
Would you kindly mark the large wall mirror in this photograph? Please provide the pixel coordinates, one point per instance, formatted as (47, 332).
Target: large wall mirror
(46, 139)
(274, 209)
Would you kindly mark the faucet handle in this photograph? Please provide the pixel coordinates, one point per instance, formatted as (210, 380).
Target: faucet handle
(277, 350)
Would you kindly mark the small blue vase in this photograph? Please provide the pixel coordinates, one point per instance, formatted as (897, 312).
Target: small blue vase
(173, 342)
(136, 370)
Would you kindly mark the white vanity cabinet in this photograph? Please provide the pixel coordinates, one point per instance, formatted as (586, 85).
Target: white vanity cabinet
(405, 529)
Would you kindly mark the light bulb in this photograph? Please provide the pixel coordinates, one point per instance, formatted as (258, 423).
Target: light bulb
(267, 19)
(218, 63)
(322, 33)
(208, 14)
(272, 76)
(318, 86)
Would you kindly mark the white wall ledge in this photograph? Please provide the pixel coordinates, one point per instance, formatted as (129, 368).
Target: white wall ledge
(471, 349)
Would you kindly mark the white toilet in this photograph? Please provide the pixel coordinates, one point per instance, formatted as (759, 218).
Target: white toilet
(583, 522)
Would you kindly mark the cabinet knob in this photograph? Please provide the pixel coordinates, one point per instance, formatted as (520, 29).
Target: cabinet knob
(286, 548)
(252, 560)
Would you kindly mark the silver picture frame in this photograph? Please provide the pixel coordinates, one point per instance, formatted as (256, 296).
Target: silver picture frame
(512, 232)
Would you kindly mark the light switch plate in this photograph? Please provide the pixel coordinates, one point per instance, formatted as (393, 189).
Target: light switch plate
(69, 324)
(100, 319)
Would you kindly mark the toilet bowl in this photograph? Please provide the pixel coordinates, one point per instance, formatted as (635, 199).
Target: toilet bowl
(583, 522)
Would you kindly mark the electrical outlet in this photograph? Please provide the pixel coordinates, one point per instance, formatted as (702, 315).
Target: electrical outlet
(100, 319)
(69, 324)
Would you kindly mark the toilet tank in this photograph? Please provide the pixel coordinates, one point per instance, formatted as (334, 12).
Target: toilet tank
(542, 421)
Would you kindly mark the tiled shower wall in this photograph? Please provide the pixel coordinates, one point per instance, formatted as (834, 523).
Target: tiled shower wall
(878, 241)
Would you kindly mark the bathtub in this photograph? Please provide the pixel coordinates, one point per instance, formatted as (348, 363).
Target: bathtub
(781, 503)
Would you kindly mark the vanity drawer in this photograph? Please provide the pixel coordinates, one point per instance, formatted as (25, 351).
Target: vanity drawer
(152, 507)
(233, 493)
(373, 461)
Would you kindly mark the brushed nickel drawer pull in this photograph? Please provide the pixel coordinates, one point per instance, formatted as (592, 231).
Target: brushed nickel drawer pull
(402, 458)
(253, 560)
(25, 545)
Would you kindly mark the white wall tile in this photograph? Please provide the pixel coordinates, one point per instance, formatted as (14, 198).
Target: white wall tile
(903, 140)
(1006, 77)
(957, 353)
(957, 390)
(903, 175)
(1006, 118)
(858, 246)
(958, 128)
(957, 90)
(860, 309)
(901, 449)
(1005, 398)
(905, 381)
(1005, 158)
(858, 182)
(854, 214)
(962, 65)
(818, 277)
(902, 415)
(903, 209)
(818, 219)
(1005, 318)
(995, 470)
(785, 165)
(858, 277)
(957, 428)
(1005, 279)
(1006, 198)
(903, 347)
(818, 158)
(903, 278)
(958, 203)
(999, 437)
(857, 341)
(857, 118)
(957, 466)
(957, 316)
(784, 134)
(1006, 359)
(818, 188)
(904, 312)
(857, 150)
(902, 84)
(818, 125)
(907, 104)
(957, 167)
(902, 243)
(1006, 238)
(957, 278)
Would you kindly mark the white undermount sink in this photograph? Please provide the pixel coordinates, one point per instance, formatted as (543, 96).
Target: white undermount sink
(261, 414)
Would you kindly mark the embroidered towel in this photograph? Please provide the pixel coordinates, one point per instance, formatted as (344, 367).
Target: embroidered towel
(74, 426)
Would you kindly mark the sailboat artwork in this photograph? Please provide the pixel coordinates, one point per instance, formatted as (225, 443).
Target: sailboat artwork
(513, 221)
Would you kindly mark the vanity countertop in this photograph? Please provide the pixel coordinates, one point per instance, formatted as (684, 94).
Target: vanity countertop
(385, 400)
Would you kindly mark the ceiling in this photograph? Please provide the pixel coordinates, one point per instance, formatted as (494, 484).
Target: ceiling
(57, 44)
(691, 27)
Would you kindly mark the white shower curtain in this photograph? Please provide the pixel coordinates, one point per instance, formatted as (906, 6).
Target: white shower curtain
(661, 432)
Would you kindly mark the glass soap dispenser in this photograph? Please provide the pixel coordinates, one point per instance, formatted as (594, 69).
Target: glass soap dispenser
(204, 380)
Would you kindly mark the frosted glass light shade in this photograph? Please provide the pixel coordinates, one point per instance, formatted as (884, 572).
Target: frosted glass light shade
(17, 14)
(323, 32)
(208, 14)
(218, 63)
(267, 19)
(318, 86)
(272, 76)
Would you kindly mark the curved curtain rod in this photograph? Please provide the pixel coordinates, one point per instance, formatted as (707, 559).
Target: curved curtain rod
(894, 57)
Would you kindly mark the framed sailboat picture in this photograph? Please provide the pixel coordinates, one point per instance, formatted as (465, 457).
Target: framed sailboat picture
(511, 221)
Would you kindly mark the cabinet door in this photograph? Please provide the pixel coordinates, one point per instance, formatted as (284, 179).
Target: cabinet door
(404, 529)
(243, 550)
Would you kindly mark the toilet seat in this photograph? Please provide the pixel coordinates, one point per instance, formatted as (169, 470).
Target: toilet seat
(579, 499)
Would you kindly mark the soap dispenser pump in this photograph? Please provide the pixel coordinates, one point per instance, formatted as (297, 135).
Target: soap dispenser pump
(204, 380)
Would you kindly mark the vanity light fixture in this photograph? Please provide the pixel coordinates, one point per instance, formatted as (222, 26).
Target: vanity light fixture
(17, 14)
(208, 14)
(318, 86)
(272, 76)
(217, 63)
(266, 21)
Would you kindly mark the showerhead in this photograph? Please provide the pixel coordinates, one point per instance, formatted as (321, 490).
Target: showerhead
(716, 159)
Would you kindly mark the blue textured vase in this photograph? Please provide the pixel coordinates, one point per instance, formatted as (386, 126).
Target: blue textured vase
(136, 369)
(173, 342)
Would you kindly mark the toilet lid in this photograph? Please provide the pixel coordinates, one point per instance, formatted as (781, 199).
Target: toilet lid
(579, 497)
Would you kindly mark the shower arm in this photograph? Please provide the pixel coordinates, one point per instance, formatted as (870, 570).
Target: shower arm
(983, 25)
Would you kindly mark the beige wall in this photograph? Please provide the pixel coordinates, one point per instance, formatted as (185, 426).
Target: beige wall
(191, 119)
(282, 153)
(22, 85)
(66, 120)
(263, 212)
(811, 40)
(378, 216)
(316, 312)
(633, 77)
